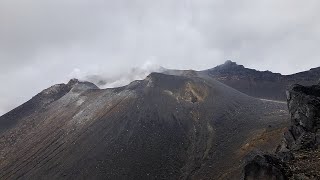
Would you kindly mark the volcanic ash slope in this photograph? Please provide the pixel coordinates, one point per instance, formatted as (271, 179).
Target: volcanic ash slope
(163, 127)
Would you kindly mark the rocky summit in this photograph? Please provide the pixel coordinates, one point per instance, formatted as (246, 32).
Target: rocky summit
(261, 84)
(221, 123)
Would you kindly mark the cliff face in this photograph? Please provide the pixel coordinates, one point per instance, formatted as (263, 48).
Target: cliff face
(298, 156)
(304, 108)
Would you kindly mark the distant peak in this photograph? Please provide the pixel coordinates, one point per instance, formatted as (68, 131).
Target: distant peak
(73, 81)
(229, 65)
(229, 62)
(78, 84)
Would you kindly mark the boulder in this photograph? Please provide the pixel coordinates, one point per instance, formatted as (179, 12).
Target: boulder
(265, 167)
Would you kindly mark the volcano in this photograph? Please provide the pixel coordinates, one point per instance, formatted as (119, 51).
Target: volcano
(184, 125)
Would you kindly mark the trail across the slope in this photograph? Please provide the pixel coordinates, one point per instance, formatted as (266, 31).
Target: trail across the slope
(269, 100)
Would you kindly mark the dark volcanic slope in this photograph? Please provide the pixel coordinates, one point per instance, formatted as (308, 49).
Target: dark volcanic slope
(38, 103)
(262, 84)
(163, 127)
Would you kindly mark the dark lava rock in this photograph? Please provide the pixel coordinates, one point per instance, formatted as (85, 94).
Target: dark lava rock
(304, 108)
(265, 167)
(298, 156)
(261, 84)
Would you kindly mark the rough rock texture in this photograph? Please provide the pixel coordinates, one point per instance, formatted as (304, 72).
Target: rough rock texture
(304, 108)
(265, 167)
(305, 164)
(299, 151)
(303, 137)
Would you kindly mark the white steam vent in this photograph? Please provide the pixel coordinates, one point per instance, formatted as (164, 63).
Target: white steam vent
(105, 79)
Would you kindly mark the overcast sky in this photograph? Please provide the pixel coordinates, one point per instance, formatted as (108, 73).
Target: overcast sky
(43, 42)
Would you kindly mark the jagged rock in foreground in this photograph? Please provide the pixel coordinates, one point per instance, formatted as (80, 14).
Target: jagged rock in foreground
(265, 167)
(304, 108)
(162, 127)
(299, 150)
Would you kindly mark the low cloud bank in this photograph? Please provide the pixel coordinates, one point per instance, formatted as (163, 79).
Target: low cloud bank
(105, 79)
(99, 76)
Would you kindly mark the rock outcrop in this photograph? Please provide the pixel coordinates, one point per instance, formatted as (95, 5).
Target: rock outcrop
(304, 108)
(298, 156)
(265, 167)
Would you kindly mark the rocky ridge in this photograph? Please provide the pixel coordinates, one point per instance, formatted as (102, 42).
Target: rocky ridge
(261, 84)
(41, 101)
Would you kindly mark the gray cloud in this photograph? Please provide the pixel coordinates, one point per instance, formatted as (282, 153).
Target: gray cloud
(48, 42)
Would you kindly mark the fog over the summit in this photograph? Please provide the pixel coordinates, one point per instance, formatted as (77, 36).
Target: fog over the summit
(43, 42)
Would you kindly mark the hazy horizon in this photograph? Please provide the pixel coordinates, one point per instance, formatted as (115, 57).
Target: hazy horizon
(48, 42)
